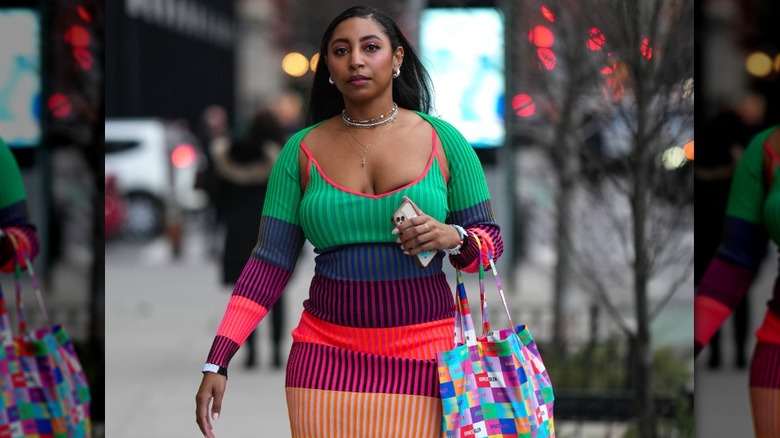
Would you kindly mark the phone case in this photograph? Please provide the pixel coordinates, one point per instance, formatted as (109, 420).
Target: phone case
(404, 212)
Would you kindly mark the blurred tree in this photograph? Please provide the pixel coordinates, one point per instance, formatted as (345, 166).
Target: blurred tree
(613, 91)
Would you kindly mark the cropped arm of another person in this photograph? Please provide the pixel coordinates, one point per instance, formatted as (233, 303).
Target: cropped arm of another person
(15, 224)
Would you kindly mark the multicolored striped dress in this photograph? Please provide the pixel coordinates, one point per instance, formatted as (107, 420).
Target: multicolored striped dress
(363, 359)
(14, 219)
(753, 215)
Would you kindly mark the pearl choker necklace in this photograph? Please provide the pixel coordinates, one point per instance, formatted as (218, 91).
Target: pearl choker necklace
(370, 123)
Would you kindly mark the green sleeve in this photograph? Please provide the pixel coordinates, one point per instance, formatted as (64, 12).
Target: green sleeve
(746, 198)
(11, 186)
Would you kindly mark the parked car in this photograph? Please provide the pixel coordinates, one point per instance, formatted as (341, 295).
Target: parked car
(155, 162)
(114, 207)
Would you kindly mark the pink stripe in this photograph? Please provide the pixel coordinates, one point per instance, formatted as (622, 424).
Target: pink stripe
(710, 314)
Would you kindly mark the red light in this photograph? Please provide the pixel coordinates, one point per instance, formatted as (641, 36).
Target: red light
(596, 40)
(541, 36)
(183, 156)
(616, 87)
(84, 14)
(524, 105)
(606, 70)
(59, 105)
(83, 57)
(77, 36)
(547, 58)
(548, 14)
(647, 49)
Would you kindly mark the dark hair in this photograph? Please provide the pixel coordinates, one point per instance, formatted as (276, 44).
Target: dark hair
(411, 90)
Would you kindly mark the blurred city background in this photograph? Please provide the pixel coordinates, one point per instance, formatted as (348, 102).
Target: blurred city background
(738, 61)
(581, 113)
(51, 113)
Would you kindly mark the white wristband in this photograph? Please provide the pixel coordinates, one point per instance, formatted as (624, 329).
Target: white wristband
(463, 237)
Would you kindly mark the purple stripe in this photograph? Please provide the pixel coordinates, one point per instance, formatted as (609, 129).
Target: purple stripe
(313, 366)
(261, 282)
(725, 282)
(766, 362)
(380, 304)
(221, 351)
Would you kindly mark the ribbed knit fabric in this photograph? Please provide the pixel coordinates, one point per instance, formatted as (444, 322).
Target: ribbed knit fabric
(753, 216)
(363, 356)
(765, 390)
(13, 213)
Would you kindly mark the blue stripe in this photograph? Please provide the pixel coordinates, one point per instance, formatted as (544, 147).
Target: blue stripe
(279, 243)
(371, 262)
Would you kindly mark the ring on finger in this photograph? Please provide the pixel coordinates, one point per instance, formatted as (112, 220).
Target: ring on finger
(425, 227)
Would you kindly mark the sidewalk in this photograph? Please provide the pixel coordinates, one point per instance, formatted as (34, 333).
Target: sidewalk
(160, 320)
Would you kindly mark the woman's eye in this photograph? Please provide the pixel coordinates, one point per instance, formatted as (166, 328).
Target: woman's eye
(372, 47)
(340, 51)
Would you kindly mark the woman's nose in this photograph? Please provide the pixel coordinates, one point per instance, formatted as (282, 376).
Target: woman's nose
(356, 59)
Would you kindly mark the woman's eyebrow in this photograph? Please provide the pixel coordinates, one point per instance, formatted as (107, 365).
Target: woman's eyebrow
(345, 40)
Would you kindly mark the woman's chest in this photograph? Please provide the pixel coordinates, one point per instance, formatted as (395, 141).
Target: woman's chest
(332, 216)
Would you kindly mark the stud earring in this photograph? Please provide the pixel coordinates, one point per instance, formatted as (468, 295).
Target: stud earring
(330, 79)
(397, 73)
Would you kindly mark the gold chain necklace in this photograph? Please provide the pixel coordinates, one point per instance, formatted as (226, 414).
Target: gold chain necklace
(366, 147)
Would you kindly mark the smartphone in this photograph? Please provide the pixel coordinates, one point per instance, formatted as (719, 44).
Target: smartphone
(406, 211)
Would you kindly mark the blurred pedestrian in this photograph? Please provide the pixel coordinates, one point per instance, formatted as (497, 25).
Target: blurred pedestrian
(364, 352)
(726, 136)
(214, 130)
(14, 219)
(244, 166)
(752, 217)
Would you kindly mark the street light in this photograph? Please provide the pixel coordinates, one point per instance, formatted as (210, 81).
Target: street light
(295, 64)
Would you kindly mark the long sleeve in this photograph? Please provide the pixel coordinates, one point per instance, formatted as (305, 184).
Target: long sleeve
(14, 219)
(273, 259)
(468, 196)
(731, 273)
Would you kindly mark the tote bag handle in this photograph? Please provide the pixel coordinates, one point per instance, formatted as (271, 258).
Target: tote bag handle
(465, 332)
(20, 312)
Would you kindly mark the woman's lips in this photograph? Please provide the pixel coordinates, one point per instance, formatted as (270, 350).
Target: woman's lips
(358, 80)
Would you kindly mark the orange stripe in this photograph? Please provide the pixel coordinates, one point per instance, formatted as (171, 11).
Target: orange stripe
(241, 317)
(766, 412)
(318, 413)
(418, 341)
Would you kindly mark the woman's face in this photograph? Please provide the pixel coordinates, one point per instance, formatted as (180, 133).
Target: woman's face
(361, 59)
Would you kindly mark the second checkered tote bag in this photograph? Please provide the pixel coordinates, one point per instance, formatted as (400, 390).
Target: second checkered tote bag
(495, 384)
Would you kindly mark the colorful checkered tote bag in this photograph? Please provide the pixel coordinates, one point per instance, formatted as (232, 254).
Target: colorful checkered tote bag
(43, 389)
(493, 385)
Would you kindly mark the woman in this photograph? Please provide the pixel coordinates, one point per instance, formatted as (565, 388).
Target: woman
(15, 224)
(363, 355)
(753, 214)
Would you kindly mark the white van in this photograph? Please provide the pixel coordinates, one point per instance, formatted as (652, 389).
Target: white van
(155, 162)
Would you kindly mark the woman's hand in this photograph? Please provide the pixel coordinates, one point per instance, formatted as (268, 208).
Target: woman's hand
(423, 233)
(211, 387)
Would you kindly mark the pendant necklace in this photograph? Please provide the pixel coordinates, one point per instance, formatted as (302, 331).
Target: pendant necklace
(366, 147)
